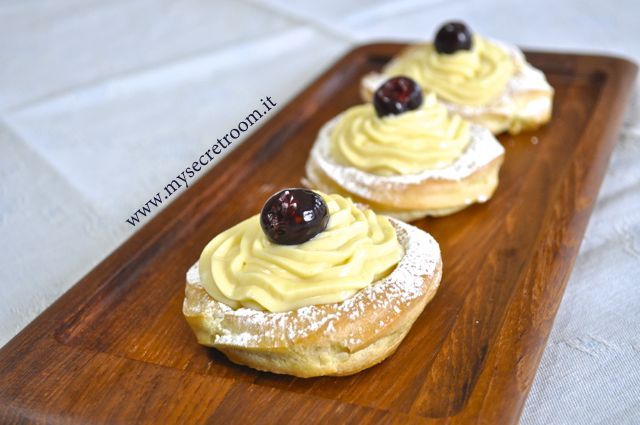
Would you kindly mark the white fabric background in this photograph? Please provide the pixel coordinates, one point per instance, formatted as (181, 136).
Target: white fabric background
(102, 101)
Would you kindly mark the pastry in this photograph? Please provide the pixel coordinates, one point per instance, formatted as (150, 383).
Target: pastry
(405, 155)
(314, 285)
(487, 82)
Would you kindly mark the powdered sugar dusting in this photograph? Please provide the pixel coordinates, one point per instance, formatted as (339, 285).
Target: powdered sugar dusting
(482, 149)
(248, 328)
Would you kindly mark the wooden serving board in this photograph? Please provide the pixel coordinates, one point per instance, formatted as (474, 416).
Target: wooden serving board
(115, 348)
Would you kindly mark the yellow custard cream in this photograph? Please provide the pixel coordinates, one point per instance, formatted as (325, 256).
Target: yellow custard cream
(408, 143)
(240, 267)
(467, 77)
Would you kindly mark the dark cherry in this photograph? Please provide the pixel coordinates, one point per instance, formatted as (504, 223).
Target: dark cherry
(453, 36)
(397, 95)
(293, 216)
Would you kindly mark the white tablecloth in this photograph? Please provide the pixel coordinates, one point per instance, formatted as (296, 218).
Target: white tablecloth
(102, 101)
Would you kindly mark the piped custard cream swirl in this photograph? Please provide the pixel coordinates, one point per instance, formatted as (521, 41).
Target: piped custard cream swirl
(408, 143)
(240, 267)
(468, 77)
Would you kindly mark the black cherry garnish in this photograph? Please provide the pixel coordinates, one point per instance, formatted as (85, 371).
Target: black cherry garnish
(452, 37)
(293, 216)
(397, 95)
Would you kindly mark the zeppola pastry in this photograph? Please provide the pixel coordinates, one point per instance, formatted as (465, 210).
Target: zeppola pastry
(487, 82)
(314, 285)
(405, 155)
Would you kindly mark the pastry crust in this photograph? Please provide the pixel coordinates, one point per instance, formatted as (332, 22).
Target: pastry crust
(330, 339)
(525, 104)
(472, 178)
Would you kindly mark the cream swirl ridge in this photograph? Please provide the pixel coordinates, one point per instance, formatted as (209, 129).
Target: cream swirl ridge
(242, 268)
(468, 77)
(408, 143)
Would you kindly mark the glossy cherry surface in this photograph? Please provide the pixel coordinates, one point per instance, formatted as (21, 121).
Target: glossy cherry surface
(452, 37)
(397, 95)
(293, 216)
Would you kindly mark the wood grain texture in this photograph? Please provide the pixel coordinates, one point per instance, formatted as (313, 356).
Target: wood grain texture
(116, 349)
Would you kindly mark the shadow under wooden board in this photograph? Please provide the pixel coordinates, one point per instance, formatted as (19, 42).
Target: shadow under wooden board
(115, 348)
